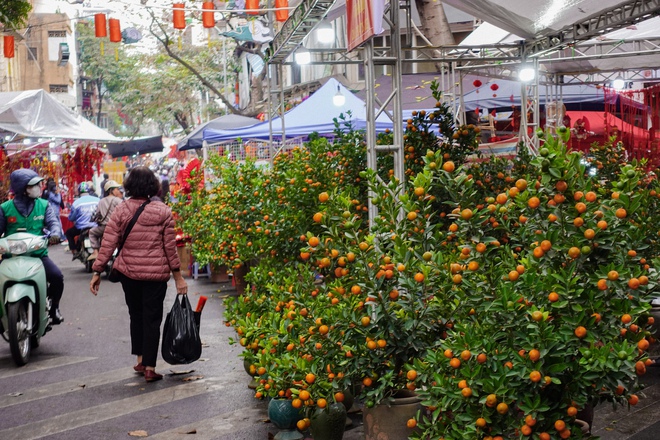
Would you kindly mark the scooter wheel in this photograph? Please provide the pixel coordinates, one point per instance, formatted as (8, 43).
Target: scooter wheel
(20, 342)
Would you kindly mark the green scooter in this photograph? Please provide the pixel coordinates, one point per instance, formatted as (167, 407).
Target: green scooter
(24, 305)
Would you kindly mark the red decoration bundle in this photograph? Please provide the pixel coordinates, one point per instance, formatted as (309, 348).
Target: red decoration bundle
(477, 83)
(201, 303)
(494, 87)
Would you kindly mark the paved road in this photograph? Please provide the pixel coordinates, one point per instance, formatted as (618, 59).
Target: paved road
(79, 383)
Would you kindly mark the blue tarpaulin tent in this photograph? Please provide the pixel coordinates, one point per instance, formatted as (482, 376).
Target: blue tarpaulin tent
(226, 122)
(315, 114)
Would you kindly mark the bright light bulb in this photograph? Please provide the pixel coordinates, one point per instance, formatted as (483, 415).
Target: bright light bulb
(339, 99)
(526, 74)
(618, 83)
(302, 56)
(325, 33)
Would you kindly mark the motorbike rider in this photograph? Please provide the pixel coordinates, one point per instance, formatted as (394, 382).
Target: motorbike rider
(82, 210)
(104, 210)
(32, 214)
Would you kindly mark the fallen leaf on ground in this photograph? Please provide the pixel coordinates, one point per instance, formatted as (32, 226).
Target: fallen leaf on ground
(194, 431)
(178, 372)
(15, 394)
(139, 433)
(82, 385)
(203, 359)
(191, 378)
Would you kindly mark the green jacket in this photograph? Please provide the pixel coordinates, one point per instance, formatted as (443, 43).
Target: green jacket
(34, 223)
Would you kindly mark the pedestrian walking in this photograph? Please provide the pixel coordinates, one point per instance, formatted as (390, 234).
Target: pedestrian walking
(143, 230)
(103, 212)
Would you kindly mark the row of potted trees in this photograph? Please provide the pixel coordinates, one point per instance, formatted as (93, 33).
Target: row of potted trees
(509, 296)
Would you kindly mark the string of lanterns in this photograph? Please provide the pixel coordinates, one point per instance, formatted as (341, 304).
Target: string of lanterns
(101, 24)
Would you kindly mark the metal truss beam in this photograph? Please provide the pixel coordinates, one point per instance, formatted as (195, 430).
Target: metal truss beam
(299, 24)
(604, 49)
(616, 18)
(639, 75)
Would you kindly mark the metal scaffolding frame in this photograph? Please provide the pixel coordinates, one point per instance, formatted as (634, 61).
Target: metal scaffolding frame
(573, 43)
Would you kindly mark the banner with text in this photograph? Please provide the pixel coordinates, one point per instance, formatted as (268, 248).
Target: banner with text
(365, 19)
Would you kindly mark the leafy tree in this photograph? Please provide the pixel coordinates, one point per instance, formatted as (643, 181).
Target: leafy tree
(152, 88)
(14, 13)
(98, 68)
(207, 66)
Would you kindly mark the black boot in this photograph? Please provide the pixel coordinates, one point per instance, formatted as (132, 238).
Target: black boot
(56, 316)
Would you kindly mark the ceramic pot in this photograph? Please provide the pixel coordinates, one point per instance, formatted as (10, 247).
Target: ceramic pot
(284, 417)
(388, 421)
(349, 400)
(253, 380)
(328, 423)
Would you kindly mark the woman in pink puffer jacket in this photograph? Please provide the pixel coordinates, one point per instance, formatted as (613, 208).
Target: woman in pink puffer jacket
(145, 263)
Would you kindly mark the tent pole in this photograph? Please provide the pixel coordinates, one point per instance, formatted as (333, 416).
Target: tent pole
(282, 106)
(269, 105)
(369, 75)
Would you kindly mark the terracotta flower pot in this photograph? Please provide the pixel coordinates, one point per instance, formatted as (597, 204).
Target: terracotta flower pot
(388, 422)
(219, 274)
(238, 279)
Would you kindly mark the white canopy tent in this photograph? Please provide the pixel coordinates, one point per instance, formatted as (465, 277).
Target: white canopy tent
(35, 113)
(585, 43)
(533, 18)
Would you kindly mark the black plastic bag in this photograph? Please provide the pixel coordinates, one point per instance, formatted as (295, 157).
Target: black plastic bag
(181, 342)
(114, 276)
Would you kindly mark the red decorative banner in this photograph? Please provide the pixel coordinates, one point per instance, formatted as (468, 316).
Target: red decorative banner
(360, 25)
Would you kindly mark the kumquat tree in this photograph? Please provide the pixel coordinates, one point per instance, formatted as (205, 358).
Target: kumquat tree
(510, 295)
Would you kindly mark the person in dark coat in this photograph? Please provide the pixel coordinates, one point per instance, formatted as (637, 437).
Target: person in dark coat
(37, 215)
(106, 176)
(145, 262)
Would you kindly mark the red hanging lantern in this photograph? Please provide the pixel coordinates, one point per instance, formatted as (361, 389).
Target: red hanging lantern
(100, 28)
(252, 7)
(115, 30)
(494, 87)
(208, 15)
(281, 10)
(179, 16)
(8, 46)
(477, 83)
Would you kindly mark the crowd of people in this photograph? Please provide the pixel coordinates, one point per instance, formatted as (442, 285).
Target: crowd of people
(131, 223)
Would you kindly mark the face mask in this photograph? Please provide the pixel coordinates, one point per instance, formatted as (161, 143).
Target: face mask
(34, 192)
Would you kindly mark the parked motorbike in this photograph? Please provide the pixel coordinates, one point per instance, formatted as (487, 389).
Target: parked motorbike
(24, 306)
(85, 250)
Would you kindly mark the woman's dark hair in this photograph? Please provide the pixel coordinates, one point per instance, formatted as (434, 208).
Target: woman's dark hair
(141, 183)
(51, 185)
